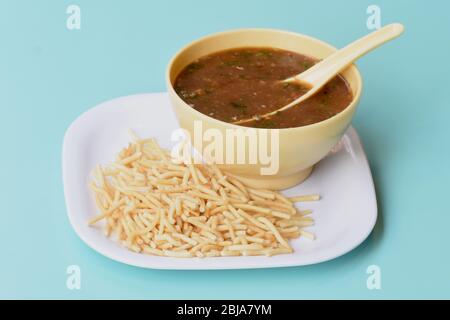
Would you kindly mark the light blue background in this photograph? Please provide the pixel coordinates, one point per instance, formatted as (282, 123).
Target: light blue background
(49, 75)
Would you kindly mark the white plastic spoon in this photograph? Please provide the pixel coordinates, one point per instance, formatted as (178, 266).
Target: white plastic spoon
(318, 75)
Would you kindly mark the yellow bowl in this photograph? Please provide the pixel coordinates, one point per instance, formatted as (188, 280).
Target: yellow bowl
(299, 148)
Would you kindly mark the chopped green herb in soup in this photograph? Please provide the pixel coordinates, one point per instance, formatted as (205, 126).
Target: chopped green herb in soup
(243, 83)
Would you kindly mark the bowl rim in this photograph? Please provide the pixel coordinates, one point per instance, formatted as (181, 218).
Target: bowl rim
(350, 108)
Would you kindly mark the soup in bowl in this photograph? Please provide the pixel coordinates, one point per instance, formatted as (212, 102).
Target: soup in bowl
(218, 82)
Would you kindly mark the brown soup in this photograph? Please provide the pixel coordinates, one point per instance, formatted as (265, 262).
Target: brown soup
(243, 83)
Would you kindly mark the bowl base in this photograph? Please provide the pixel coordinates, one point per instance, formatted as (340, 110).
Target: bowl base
(274, 183)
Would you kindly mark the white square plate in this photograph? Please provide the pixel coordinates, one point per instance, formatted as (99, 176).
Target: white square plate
(344, 216)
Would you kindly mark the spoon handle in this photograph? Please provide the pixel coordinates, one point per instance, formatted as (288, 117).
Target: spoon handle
(325, 70)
